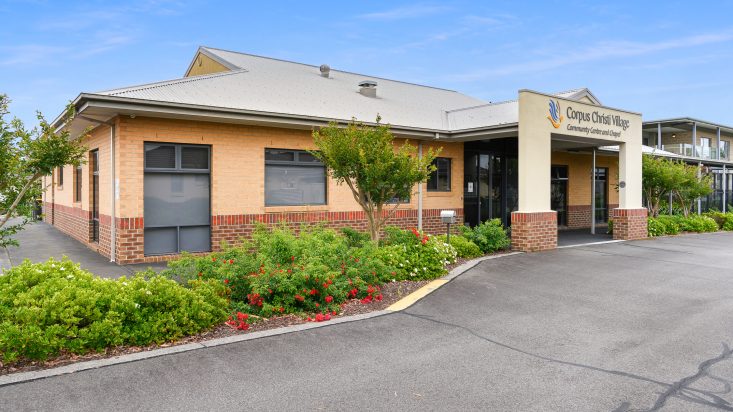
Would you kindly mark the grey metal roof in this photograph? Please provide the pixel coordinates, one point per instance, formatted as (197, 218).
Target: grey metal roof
(689, 120)
(268, 85)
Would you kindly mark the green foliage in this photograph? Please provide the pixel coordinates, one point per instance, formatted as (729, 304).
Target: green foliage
(697, 223)
(281, 272)
(26, 156)
(415, 255)
(47, 308)
(464, 248)
(365, 159)
(354, 238)
(661, 176)
(490, 236)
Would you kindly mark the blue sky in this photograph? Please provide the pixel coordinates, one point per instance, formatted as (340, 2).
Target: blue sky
(664, 59)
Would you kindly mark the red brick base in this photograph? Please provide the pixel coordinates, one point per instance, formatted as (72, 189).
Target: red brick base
(229, 229)
(629, 224)
(534, 231)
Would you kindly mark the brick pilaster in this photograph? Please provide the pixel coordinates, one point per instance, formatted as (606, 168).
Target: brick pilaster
(534, 231)
(629, 224)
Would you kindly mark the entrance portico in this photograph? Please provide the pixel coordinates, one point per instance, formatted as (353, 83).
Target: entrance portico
(545, 120)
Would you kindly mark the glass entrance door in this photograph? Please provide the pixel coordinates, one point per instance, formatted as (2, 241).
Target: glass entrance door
(601, 183)
(559, 193)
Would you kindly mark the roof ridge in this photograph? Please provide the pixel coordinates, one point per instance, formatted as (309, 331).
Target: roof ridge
(332, 69)
(481, 105)
(181, 80)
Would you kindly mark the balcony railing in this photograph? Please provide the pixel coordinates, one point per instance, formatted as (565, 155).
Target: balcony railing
(698, 152)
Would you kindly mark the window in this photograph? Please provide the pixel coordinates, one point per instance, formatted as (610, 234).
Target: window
(293, 177)
(60, 176)
(439, 180)
(77, 184)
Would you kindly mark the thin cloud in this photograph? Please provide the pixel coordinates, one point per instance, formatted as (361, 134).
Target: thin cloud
(30, 54)
(601, 51)
(402, 13)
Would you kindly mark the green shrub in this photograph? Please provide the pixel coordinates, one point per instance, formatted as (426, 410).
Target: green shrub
(489, 236)
(655, 227)
(280, 272)
(46, 308)
(718, 217)
(464, 248)
(697, 223)
(415, 255)
(728, 222)
(670, 224)
(354, 238)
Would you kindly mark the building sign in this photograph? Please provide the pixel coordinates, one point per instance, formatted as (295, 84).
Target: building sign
(589, 122)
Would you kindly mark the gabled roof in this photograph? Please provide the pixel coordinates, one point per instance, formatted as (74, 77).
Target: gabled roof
(272, 88)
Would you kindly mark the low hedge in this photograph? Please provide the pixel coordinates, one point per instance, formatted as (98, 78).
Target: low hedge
(724, 220)
(53, 307)
(672, 225)
(464, 248)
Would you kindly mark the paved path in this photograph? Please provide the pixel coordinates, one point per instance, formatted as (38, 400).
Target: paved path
(40, 241)
(641, 325)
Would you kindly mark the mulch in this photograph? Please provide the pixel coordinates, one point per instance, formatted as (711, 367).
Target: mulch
(391, 292)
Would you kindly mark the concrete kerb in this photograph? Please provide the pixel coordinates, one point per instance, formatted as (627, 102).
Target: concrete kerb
(402, 304)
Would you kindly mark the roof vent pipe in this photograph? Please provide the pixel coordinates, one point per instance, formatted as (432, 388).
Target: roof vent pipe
(325, 70)
(368, 88)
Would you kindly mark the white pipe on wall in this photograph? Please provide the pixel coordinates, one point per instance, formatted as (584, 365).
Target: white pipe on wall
(113, 186)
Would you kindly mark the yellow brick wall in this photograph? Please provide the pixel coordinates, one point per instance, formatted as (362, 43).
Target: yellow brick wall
(579, 175)
(238, 165)
(64, 195)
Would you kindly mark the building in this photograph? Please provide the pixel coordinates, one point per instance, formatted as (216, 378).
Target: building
(188, 163)
(697, 142)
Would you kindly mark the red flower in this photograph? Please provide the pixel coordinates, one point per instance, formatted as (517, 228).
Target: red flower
(299, 298)
(231, 261)
(242, 316)
(309, 319)
(370, 289)
(319, 317)
(292, 258)
(213, 259)
(243, 325)
(226, 281)
(282, 309)
(334, 313)
(327, 317)
(313, 292)
(329, 299)
(366, 300)
(325, 286)
(318, 305)
(378, 297)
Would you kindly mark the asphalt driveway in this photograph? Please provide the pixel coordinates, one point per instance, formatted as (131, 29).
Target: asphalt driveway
(643, 325)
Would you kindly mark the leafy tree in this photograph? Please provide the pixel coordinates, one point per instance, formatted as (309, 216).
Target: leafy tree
(695, 184)
(379, 174)
(662, 176)
(26, 156)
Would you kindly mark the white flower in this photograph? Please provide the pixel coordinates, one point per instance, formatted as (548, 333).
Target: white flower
(62, 268)
(147, 292)
(69, 276)
(137, 305)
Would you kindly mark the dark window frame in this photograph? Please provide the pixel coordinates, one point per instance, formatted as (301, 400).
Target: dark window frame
(296, 162)
(435, 176)
(78, 171)
(177, 168)
(60, 176)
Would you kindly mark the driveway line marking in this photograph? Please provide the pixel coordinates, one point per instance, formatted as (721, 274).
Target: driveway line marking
(603, 242)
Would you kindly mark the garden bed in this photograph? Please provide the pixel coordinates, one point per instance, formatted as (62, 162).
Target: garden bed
(392, 292)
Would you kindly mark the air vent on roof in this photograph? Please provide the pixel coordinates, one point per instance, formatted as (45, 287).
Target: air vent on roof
(368, 88)
(325, 70)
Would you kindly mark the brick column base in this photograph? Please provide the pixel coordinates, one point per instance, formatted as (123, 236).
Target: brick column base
(629, 224)
(534, 231)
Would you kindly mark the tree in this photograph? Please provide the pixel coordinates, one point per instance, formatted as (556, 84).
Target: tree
(695, 184)
(661, 176)
(25, 157)
(379, 174)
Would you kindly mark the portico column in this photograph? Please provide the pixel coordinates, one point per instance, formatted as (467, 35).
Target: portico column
(534, 225)
(629, 219)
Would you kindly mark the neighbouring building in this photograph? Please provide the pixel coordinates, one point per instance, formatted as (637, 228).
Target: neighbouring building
(184, 164)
